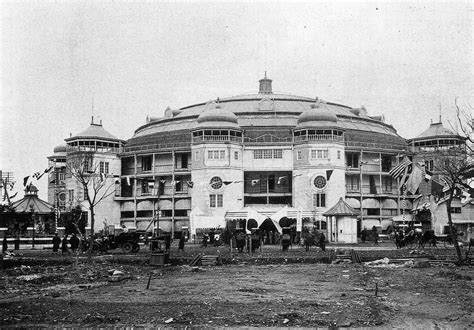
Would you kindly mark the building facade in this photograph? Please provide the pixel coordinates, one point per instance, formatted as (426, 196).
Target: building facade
(263, 156)
(205, 164)
(94, 154)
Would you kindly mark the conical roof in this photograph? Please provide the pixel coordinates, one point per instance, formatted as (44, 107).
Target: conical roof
(32, 203)
(94, 131)
(341, 208)
(436, 130)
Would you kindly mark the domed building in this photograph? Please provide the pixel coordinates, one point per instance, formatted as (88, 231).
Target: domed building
(266, 155)
(95, 152)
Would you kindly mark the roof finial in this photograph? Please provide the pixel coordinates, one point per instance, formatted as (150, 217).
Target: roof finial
(440, 112)
(92, 120)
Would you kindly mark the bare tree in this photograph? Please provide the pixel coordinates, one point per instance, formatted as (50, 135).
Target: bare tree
(464, 120)
(456, 168)
(94, 184)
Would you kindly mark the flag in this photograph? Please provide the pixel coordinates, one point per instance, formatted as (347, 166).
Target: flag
(190, 184)
(11, 184)
(14, 195)
(398, 170)
(25, 180)
(254, 182)
(128, 180)
(328, 174)
(163, 181)
(48, 169)
(415, 179)
(151, 184)
(37, 175)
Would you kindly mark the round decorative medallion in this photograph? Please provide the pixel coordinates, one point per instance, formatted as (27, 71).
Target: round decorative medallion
(216, 182)
(319, 182)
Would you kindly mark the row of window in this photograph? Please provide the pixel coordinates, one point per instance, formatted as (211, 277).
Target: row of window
(268, 154)
(317, 154)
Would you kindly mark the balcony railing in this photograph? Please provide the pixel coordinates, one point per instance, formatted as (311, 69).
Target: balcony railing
(93, 149)
(216, 138)
(319, 137)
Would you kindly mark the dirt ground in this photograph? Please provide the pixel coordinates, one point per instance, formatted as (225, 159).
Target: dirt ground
(266, 289)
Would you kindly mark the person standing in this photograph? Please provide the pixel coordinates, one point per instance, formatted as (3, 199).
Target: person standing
(181, 244)
(375, 235)
(56, 243)
(74, 241)
(5, 245)
(363, 235)
(322, 241)
(64, 247)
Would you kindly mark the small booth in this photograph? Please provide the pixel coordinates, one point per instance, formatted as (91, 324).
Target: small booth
(342, 223)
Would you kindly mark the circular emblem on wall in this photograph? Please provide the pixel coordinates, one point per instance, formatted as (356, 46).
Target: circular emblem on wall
(216, 182)
(62, 197)
(319, 182)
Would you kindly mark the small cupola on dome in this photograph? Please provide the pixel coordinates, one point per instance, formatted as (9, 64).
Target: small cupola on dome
(265, 85)
(215, 116)
(318, 115)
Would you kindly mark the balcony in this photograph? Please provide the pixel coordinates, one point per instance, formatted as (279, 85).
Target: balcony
(216, 138)
(319, 138)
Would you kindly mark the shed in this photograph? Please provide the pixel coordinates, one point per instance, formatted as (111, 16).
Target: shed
(342, 223)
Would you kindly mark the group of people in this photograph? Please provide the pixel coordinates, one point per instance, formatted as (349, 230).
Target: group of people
(64, 244)
(366, 235)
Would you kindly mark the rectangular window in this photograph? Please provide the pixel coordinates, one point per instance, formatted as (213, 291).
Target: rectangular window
(258, 154)
(319, 154)
(352, 160)
(196, 155)
(216, 200)
(319, 200)
(339, 154)
(353, 183)
(104, 167)
(386, 163)
(456, 210)
(147, 163)
(299, 155)
(216, 154)
(278, 153)
(267, 154)
(236, 155)
(429, 165)
(387, 183)
(62, 177)
(71, 196)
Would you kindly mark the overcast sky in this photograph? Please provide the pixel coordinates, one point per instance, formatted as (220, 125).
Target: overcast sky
(127, 60)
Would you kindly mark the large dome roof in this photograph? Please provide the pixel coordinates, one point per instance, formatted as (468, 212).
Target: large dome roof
(318, 115)
(216, 116)
(267, 111)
